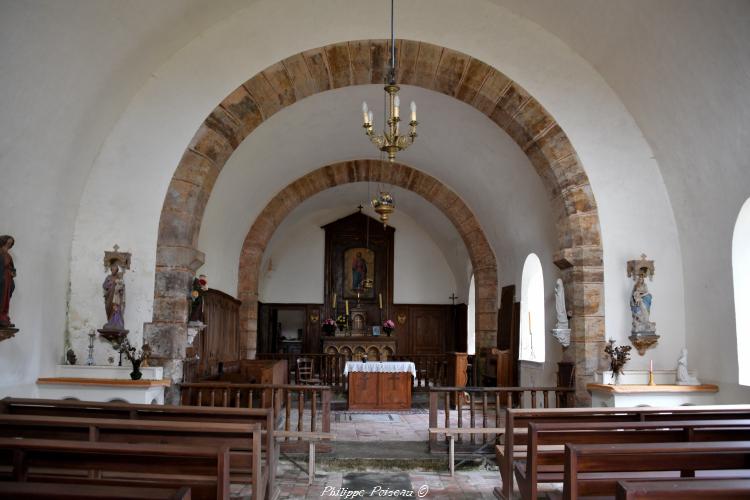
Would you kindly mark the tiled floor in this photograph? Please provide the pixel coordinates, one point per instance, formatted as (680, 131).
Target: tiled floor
(384, 439)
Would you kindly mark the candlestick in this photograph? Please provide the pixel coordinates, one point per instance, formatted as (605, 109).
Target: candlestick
(651, 373)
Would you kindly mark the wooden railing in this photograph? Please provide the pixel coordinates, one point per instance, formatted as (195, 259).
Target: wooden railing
(432, 369)
(329, 368)
(483, 407)
(289, 401)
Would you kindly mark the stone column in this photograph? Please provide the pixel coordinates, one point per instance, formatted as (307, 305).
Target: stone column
(583, 277)
(167, 333)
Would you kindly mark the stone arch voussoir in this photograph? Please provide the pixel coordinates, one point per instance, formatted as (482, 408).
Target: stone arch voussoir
(478, 247)
(361, 62)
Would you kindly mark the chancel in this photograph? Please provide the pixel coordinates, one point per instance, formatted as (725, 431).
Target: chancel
(251, 248)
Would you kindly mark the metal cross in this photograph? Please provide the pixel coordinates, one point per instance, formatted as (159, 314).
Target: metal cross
(453, 298)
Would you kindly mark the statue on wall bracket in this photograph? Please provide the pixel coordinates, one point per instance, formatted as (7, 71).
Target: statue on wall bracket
(561, 331)
(7, 286)
(113, 290)
(643, 332)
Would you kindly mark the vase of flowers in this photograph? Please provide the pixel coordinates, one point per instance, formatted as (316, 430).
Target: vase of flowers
(618, 356)
(341, 322)
(388, 326)
(328, 326)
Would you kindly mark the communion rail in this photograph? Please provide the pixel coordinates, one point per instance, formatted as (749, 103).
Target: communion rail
(290, 401)
(432, 369)
(484, 408)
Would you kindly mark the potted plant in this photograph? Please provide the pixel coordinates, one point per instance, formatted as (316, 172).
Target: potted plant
(618, 356)
(328, 326)
(388, 326)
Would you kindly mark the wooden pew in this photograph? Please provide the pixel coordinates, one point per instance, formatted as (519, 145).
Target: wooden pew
(684, 489)
(545, 450)
(517, 421)
(88, 409)
(204, 469)
(10, 490)
(244, 440)
(589, 467)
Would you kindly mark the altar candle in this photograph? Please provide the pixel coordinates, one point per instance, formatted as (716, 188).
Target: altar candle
(346, 303)
(651, 367)
(334, 300)
(380, 298)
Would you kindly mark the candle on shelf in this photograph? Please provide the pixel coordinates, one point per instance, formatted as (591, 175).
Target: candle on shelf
(346, 303)
(380, 298)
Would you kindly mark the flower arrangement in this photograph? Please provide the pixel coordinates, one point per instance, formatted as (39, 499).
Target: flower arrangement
(341, 322)
(328, 326)
(618, 356)
(388, 326)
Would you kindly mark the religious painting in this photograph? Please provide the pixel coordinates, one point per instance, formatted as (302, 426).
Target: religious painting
(359, 273)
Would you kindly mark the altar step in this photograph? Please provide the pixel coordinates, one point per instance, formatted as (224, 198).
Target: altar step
(388, 455)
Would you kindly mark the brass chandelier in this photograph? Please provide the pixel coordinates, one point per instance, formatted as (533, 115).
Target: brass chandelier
(391, 142)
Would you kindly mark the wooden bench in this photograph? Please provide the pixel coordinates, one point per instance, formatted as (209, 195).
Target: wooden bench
(545, 450)
(11, 490)
(517, 420)
(589, 467)
(244, 440)
(684, 489)
(140, 412)
(204, 469)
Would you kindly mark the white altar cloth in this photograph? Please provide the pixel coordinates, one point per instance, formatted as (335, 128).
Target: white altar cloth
(381, 367)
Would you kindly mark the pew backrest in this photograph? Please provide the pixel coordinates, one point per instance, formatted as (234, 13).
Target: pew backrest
(517, 420)
(118, 463)
(638, 457)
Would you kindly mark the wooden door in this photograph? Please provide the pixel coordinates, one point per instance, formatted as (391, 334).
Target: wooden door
(428, 329)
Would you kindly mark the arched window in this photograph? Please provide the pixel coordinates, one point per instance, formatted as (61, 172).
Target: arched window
(471, 332)
(532, 310)
(741, 281)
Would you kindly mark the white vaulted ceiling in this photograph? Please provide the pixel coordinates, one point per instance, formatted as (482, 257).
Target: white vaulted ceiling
(70, 72)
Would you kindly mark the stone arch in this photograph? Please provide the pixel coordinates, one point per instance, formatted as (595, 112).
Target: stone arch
(431, 189)
(361, 62)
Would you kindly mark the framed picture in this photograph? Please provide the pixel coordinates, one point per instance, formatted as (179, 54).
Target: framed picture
(359, 269)
(376, 331)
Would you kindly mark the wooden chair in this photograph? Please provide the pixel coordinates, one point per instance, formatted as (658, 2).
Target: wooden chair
(306, 372)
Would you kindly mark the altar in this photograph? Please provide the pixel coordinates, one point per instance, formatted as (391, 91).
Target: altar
(104, 384)
(380, 385)
(633, 390)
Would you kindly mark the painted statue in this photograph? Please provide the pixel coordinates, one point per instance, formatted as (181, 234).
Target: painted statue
(640, 307)
(199, 289)
(562, 313)
(114, 297)
(7, 279)
(682, 376)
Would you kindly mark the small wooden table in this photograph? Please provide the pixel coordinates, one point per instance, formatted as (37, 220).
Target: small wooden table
(662, 395)
(380, 385)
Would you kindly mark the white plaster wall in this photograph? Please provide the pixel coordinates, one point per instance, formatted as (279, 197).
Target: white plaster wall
(144, 144)
(614, 152)
(681, 68)
(67, 71)
(296, 252)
